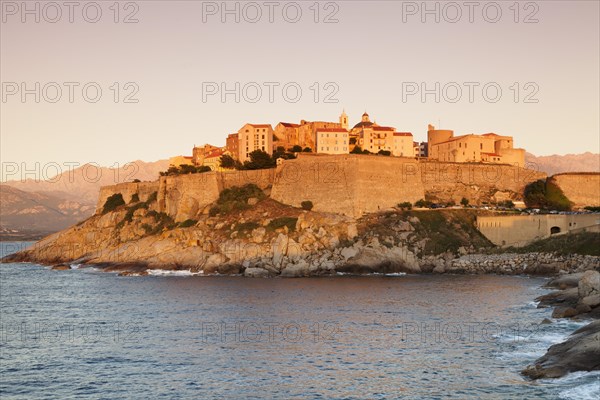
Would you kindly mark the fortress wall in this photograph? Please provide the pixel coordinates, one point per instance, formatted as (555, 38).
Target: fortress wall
(444, 181)
(327, 181)
(184, 196)
(262, 178)
(519, 230)
(583, 189)
(349, 184)
(127, 189)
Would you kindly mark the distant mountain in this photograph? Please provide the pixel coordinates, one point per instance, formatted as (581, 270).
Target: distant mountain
(555, 164)
(82, 185)
(22, 211)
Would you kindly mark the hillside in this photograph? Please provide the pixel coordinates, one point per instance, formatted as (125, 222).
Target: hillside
(555, 164)
(83, 184)
(38, 212)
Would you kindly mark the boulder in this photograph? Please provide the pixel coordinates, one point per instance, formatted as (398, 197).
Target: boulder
(589, 284)
(591, 301)
(61, 267)
(258, 235)
(565, 281)
(301, 268)
(580, 352)
(564, 312)
(256, 273)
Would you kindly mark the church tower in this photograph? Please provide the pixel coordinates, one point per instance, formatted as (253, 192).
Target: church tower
(365, 117)
(344, 120)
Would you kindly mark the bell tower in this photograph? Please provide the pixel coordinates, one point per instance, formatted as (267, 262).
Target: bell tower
(344, 120)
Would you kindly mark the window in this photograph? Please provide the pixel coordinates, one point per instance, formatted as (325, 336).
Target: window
(480, 146)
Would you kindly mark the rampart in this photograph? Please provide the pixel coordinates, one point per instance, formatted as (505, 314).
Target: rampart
(583, 188)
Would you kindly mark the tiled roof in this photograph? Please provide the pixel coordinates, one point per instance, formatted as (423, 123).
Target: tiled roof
(332, 130)
(402, 134)
(289, 125)
(215, 153)
(383, 128)
(260, 125)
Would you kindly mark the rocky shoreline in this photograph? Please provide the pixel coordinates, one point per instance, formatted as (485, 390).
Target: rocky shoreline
(578, 298)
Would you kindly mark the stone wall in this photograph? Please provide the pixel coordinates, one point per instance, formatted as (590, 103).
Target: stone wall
(583, 189)
(127, 189)
(519, 230)
(349, 184)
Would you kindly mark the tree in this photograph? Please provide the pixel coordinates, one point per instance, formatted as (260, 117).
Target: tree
(306, 205)
(187, 169)
(464, 202)
(259, 159)
(227, 161)
(356, 150)
(385, 152)
(307, 150)
(112, 202)
(405, 205)
(546, 195)
(203, 168)
(297, 149)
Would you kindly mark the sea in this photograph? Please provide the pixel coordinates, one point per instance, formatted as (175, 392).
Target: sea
(83, 333)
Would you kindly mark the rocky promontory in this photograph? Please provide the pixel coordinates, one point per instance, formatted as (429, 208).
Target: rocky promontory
(578, 298)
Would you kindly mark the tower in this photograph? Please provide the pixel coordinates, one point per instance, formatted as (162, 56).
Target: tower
(365, 117)
(344, 120)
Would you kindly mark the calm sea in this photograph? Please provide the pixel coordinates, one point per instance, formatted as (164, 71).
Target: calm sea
(88, 334)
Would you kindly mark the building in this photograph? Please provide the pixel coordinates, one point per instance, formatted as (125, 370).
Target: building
(213, 159)
(232, 145)
(332, 141)
(200, 152)
(180, 160)
(253, 137)
(489, 147)
(423, 150)
(286, 134)
(403, 145)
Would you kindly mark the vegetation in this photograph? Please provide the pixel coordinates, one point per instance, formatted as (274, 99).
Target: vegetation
(306, 205)
(228, 162)
(112, 202)
(423, 203)
(152, 198)
(136, 181)
(585, 243)
(506, 204)
(464, 202)
(187, 223)
(185, 169)
(384, 153)
(405, 205)
(546, 195)
(134, 198)
(593, 208)
(235, 198)
(307, 150)
(297, 149)
(163, 222)
(278, 223)
(247, 226)
(359, 150)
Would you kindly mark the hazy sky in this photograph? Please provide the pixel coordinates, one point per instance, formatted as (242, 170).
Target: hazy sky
(374, 58)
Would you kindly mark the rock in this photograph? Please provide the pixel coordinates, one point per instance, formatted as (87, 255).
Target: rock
(546, 321)
(580, 352)
(565, 281)
(258, 235)
(591, 301)
(349, 252)
(440, 269)
(280, 246)
(213, 262)
(61, 267)
(229, 269)
(301, 268)
(583, 309)
(564, 312)
(568, 297)
(256, 273)
(589, 284)
(252, 201)
(352, 231)
(543, 269)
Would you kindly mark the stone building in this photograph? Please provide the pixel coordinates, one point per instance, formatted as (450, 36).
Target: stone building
(232, 145)
(200, 152)
(332, 141)
(254, 137)
(489, 147)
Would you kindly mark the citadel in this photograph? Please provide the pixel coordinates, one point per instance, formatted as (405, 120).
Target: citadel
(366, 136)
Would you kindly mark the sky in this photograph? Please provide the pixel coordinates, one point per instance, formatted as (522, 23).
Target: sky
(147, 80)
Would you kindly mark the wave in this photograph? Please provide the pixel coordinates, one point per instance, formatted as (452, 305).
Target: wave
(166, 272)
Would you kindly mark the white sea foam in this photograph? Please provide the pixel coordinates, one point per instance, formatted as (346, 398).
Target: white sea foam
(165, 272)
(582, 392)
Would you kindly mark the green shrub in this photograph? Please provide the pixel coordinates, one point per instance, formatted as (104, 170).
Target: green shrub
(546, 195)
(296, 149)
(247, 226)
(152, 198)
(384, 152)
(187, 223)
(307, 150)
(306, 205)
(278, 223)
(405, 205)
(422, 203)
(356, 150)
(213, 211)
(134, 198)
(112, 202)
(592, 208)
(464, 202)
